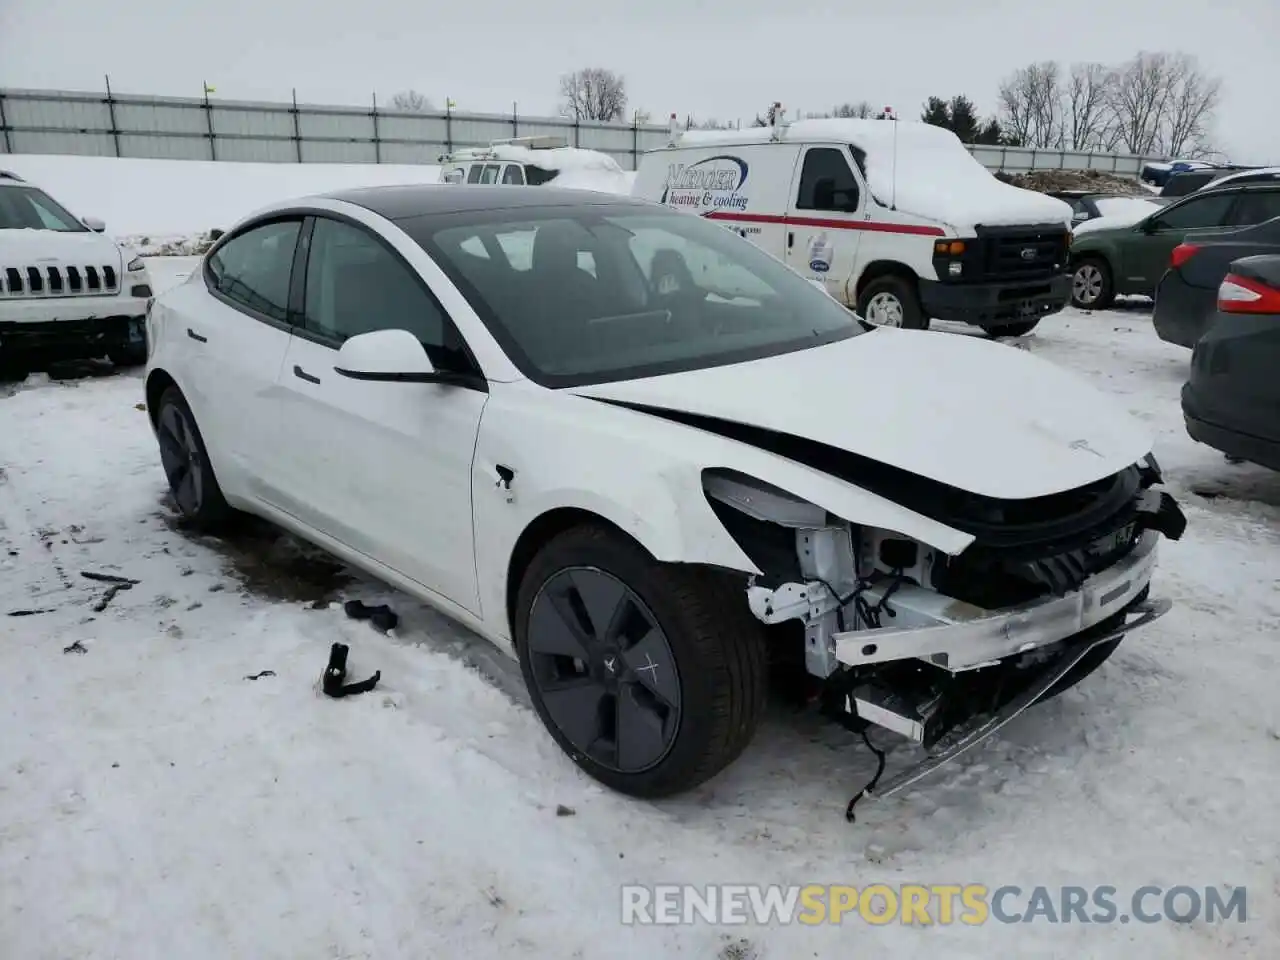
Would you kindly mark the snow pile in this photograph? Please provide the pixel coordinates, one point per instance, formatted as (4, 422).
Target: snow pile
(919, 169)
(183, 198)
(1126, 207)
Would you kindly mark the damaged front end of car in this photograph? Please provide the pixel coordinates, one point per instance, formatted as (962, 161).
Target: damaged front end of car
(944, 649)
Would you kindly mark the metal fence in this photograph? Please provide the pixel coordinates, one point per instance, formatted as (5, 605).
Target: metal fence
(178, 128)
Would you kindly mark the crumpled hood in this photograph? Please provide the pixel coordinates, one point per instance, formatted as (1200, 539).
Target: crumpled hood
(23, 247)
(977, 415)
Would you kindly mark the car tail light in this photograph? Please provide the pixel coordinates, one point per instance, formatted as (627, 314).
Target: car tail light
(1245, 295)
(1181, 254)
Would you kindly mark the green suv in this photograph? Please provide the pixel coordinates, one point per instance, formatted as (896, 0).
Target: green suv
(1128, 259)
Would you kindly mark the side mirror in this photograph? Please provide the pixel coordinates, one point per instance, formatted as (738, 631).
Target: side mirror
(386, 355)
(94, 224)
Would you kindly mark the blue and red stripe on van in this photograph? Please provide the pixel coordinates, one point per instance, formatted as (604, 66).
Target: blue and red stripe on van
(872, 226)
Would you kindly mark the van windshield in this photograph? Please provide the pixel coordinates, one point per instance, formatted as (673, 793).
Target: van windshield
(590, 294)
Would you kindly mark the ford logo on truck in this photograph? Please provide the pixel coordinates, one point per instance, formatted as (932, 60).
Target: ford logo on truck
(712, 184)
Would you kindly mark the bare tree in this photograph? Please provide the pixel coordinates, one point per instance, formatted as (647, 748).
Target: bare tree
(1140, 101)
(862, 110)
(711, 123)
(1193, 99)
(411, 101)
(1089, 92)
(1031, 105)
(593, 93)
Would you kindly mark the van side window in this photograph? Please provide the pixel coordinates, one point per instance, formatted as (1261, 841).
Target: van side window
(826, 182)
(513, 173)
(473, 175)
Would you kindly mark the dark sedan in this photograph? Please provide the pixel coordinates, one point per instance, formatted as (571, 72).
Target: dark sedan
(1232, 399)
(1187, 295)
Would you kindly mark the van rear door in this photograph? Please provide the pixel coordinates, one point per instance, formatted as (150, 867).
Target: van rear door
(823, 217)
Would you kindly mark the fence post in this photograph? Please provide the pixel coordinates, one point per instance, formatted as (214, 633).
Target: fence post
(448, 125)
(635, 141)
(297, 129)
(208, 116)
(4, 125)
(377, 138)
(111, 112)
(577, 131)
(515, 119)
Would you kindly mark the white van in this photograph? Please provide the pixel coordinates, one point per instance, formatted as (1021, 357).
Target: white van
(534, 161)
(896, 219)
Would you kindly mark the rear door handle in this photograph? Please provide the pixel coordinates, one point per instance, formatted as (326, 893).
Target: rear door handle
(303, 375)
(791, 240)
(196, 337)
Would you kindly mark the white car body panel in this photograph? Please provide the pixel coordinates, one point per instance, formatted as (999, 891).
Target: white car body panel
(1056, 432)
(644, 475)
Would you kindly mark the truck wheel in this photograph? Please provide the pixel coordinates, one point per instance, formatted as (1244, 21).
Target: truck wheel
(186, 463)
(1091, 286)
(651, 677)
(891, 301)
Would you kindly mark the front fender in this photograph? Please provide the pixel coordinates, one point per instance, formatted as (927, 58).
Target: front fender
(642, 474)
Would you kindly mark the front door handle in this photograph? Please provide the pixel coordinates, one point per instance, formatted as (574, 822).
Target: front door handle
(196, 337)
(791, 239)
(303, 375)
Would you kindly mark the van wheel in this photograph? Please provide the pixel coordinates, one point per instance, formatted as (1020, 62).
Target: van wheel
(652, 677)
(891, 301)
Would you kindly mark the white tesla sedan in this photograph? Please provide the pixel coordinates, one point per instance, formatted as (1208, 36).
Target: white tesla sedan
(653, 463)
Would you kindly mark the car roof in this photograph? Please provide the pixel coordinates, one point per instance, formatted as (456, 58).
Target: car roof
(424, 199)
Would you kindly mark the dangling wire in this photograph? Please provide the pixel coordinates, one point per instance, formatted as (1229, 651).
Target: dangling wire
(853, 801)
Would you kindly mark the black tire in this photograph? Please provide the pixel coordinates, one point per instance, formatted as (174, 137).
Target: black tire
(1013, 329)
(134, 355)
(895, 288)
(186, 464)
(708, 711)
(1087, 275)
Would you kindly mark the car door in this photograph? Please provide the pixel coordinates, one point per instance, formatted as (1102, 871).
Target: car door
(1150, 244)
(237, 330)
(827, 199)
(383, 467)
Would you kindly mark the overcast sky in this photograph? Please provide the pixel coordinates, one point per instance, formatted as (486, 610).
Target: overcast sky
(705, 57)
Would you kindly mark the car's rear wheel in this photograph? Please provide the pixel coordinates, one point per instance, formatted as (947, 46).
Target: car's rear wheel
(186, 463)
(1091, 285)
(651, 677)
(891, 301)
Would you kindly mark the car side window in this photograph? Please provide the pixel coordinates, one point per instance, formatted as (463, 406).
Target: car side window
(826, 182)
(513, 173)
(1208, 211)
(253, 268)
(473, 175)
(1255, 207)
(357, 285)
(490, 174)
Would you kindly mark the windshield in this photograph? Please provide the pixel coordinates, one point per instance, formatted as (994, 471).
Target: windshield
(26, 208)
(598, 293)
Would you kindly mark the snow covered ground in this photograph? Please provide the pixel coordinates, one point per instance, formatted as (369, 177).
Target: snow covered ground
(156, 801)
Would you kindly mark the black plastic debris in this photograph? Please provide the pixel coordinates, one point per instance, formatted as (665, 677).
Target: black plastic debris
(260, 674)
(76, 647)
(381, 616)
(335, 675)
(117, 584)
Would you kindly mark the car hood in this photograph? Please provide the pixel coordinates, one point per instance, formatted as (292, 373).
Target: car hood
(23, 247)
(980, 416)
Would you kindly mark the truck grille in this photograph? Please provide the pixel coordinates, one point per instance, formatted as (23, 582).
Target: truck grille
(60, 280)
(1023, 254)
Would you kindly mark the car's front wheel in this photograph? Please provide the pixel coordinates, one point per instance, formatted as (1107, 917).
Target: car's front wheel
(1091, 286)
(186, 463)
(651, 677)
